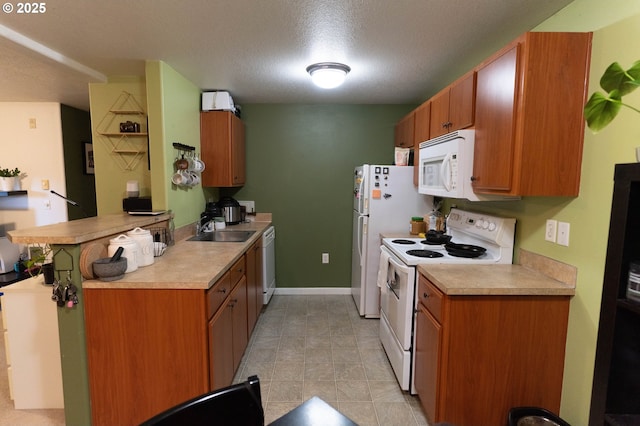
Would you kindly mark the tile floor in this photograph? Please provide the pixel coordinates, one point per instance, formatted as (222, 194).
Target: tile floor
(306, 346)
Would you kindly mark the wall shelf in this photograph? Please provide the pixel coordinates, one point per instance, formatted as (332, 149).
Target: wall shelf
(12, 193)
(126, 147)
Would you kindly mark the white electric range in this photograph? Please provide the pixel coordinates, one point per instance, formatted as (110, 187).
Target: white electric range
(476, 238)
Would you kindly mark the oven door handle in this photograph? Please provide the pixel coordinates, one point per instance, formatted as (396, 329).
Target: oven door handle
(398, 267)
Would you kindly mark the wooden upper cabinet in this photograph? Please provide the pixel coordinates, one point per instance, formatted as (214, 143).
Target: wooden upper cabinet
(403, 132)
(421, 133)
(223, 149)
(529, 116)
(453, 107)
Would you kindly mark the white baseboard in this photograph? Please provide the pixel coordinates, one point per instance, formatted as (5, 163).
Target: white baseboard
(306, 291)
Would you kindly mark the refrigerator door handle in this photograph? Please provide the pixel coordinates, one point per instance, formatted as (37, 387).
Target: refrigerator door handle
(362, 231)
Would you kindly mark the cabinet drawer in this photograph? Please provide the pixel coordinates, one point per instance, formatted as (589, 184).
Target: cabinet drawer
(217, 294)
(430, 297)
(237, 271)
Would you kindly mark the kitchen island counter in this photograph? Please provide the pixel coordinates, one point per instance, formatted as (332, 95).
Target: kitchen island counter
(505, 280)
(188, 264)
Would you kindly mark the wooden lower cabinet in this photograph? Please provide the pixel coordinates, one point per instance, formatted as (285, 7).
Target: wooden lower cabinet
(146, 351)
(151, 349)
(238, 302)
(479, 356)
(253, 259)
(220, 344)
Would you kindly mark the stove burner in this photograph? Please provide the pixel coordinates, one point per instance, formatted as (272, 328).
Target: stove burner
(432, 243)
(424, 253)
(401, 241)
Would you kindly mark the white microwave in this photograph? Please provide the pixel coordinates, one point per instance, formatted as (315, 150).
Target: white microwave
(446, 165)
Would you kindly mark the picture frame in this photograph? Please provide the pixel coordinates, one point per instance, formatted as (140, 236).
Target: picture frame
(88, 160)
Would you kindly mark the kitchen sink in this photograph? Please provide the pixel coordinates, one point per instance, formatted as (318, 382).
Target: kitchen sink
(224, 236)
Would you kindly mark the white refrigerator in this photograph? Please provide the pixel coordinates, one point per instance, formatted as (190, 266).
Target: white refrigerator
(384, 200)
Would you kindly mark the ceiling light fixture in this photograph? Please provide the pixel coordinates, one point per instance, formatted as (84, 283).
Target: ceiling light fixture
(328, 75)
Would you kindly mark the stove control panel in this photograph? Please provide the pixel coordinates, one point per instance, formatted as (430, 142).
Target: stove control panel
(490, 228)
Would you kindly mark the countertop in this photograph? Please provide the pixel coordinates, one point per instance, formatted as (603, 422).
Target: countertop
(187, 264)
(83, 230)
(471, 280)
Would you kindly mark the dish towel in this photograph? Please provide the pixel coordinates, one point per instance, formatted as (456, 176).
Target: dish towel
(383, 268)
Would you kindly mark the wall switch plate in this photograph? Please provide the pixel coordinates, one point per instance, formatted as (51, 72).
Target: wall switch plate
(325, 257)
(563, 233)
(550, 230)
(45, 184)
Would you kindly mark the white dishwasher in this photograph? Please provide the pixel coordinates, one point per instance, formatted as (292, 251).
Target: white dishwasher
(268, 263)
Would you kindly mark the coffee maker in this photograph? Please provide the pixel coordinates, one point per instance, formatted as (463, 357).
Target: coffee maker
(211, 211)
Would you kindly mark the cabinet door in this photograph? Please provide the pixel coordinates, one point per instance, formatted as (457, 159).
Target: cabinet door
(220, 349)
(495, 123)
(404, 132)
(237, 151)
(240, 334)
(462, 102)
(223, 149)
(254, 284)
(421, 133)
(428, 345)
(439, 124)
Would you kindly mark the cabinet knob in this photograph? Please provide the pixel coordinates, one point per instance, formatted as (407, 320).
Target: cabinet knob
(473, 178)
(222, 290)
(425, 295)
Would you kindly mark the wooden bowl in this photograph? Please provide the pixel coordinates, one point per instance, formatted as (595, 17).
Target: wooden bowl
(106, 270)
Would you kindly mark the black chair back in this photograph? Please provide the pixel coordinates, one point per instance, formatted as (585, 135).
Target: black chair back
(235, 405)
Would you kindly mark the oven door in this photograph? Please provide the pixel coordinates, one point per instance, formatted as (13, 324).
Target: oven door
(396, 299)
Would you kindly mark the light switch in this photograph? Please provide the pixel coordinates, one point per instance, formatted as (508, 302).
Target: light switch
(44, 184)
(563, 233)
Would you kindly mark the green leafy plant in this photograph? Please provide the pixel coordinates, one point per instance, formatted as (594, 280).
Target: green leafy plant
(617, 82)
(39, 254)
(10, 173)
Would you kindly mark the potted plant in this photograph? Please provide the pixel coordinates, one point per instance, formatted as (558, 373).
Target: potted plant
(602, 108)
(8, 179)
(38, 263)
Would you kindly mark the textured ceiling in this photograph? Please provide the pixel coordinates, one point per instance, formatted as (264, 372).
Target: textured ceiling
(400, 51)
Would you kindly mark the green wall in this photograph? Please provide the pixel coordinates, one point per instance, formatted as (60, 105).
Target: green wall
(300, 161)
(81, 187)
(174, 105)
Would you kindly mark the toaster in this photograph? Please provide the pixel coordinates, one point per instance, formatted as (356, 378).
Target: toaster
(212, 101)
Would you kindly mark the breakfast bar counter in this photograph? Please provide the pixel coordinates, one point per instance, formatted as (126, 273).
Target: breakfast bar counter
(84, 230)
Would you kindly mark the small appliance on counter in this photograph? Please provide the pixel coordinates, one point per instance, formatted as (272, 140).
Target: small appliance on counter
(136, 204)
(231, 210)
(211, 211)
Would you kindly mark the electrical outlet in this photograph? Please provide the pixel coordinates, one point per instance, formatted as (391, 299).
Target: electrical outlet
(325, 257)
(563, 233)
(551, 230)
(250, 206)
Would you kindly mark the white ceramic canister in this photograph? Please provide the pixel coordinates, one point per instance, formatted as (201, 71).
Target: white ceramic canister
(145, 241)
(131, 250)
